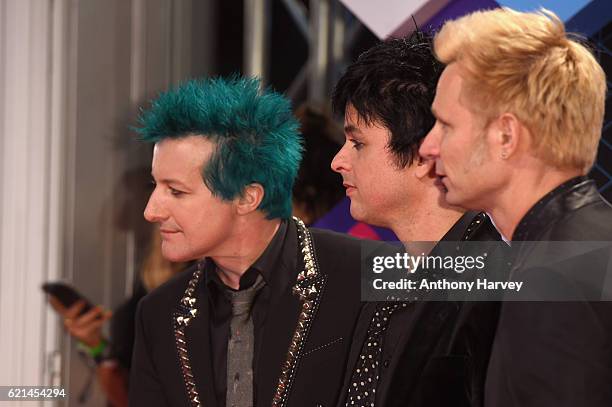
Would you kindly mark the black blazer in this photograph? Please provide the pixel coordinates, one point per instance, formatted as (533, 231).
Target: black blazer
(556, 353)
(156, 376)
(443, 350)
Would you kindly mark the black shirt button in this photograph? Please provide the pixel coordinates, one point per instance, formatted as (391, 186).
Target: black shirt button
(386, 363)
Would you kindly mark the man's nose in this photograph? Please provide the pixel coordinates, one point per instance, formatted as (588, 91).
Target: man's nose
(340, 162)
(430, 147)
(154, 212)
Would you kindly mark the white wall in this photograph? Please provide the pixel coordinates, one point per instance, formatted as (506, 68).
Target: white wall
(72, 75)
(30, 197)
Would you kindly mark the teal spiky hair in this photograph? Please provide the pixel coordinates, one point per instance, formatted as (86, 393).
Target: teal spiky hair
(256, 135)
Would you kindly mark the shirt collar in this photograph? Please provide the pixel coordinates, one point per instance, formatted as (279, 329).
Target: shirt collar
(504, 238)
(462, 230)
(459, 230)
(549, 207)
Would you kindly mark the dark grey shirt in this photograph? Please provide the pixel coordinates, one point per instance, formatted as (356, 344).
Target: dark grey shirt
(221, 306)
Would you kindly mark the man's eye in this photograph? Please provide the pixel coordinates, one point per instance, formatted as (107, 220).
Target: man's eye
(357, 145)
(175, 192)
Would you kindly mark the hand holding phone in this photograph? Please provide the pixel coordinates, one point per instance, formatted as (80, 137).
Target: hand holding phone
(82, 320)
(66, 295)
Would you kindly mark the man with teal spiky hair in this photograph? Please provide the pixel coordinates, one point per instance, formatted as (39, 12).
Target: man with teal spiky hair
(264, 316)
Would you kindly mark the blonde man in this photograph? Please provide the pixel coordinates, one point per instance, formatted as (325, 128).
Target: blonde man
(519, 111)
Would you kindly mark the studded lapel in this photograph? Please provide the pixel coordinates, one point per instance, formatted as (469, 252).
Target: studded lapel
(298, 309)
(309, 290)
(198, 338)
(192, 340)
(279, 323)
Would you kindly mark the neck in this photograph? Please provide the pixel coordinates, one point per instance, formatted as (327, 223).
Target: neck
(429, 224)
(523, 191)
(251, 239)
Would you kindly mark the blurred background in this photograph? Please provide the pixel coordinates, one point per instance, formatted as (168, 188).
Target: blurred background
(74, 180)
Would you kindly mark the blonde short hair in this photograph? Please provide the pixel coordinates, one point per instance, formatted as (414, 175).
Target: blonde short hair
(525, 64)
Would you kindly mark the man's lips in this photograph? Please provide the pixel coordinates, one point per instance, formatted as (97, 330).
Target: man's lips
(439, 182)
(168, 231)
(349, 187)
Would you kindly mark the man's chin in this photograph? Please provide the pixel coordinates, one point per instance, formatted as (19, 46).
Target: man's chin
(175, 257)
(452, 199)
(360, 215)
(357, 213)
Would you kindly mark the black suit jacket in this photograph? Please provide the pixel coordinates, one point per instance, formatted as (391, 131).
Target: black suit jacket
(156, 377)
(556, 353)
(444, 346)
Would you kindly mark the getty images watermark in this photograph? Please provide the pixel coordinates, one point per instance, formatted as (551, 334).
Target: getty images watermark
(487, 271)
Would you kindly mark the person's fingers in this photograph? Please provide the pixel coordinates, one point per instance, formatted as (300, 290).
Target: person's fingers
(87, 326)
(74, 310)
(96, 325)
(89, 316)
(57, 305)
(90, 334)
(68, 324)
(71, 314)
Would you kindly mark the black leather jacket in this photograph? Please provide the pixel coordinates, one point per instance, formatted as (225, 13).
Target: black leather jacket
(556, 353)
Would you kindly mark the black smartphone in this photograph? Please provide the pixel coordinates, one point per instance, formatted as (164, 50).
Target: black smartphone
(66, 294)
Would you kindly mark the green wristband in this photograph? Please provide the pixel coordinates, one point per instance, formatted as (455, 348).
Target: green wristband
(96, 351)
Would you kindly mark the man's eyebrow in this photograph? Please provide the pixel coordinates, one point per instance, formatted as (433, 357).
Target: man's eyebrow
(170, 181)
(437, 116)
(350, 128)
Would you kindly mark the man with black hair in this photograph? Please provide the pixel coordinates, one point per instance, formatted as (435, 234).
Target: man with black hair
(418, 353)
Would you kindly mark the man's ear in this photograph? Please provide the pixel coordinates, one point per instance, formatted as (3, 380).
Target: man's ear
(252, 195)
(423, 167)
(507, 133)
